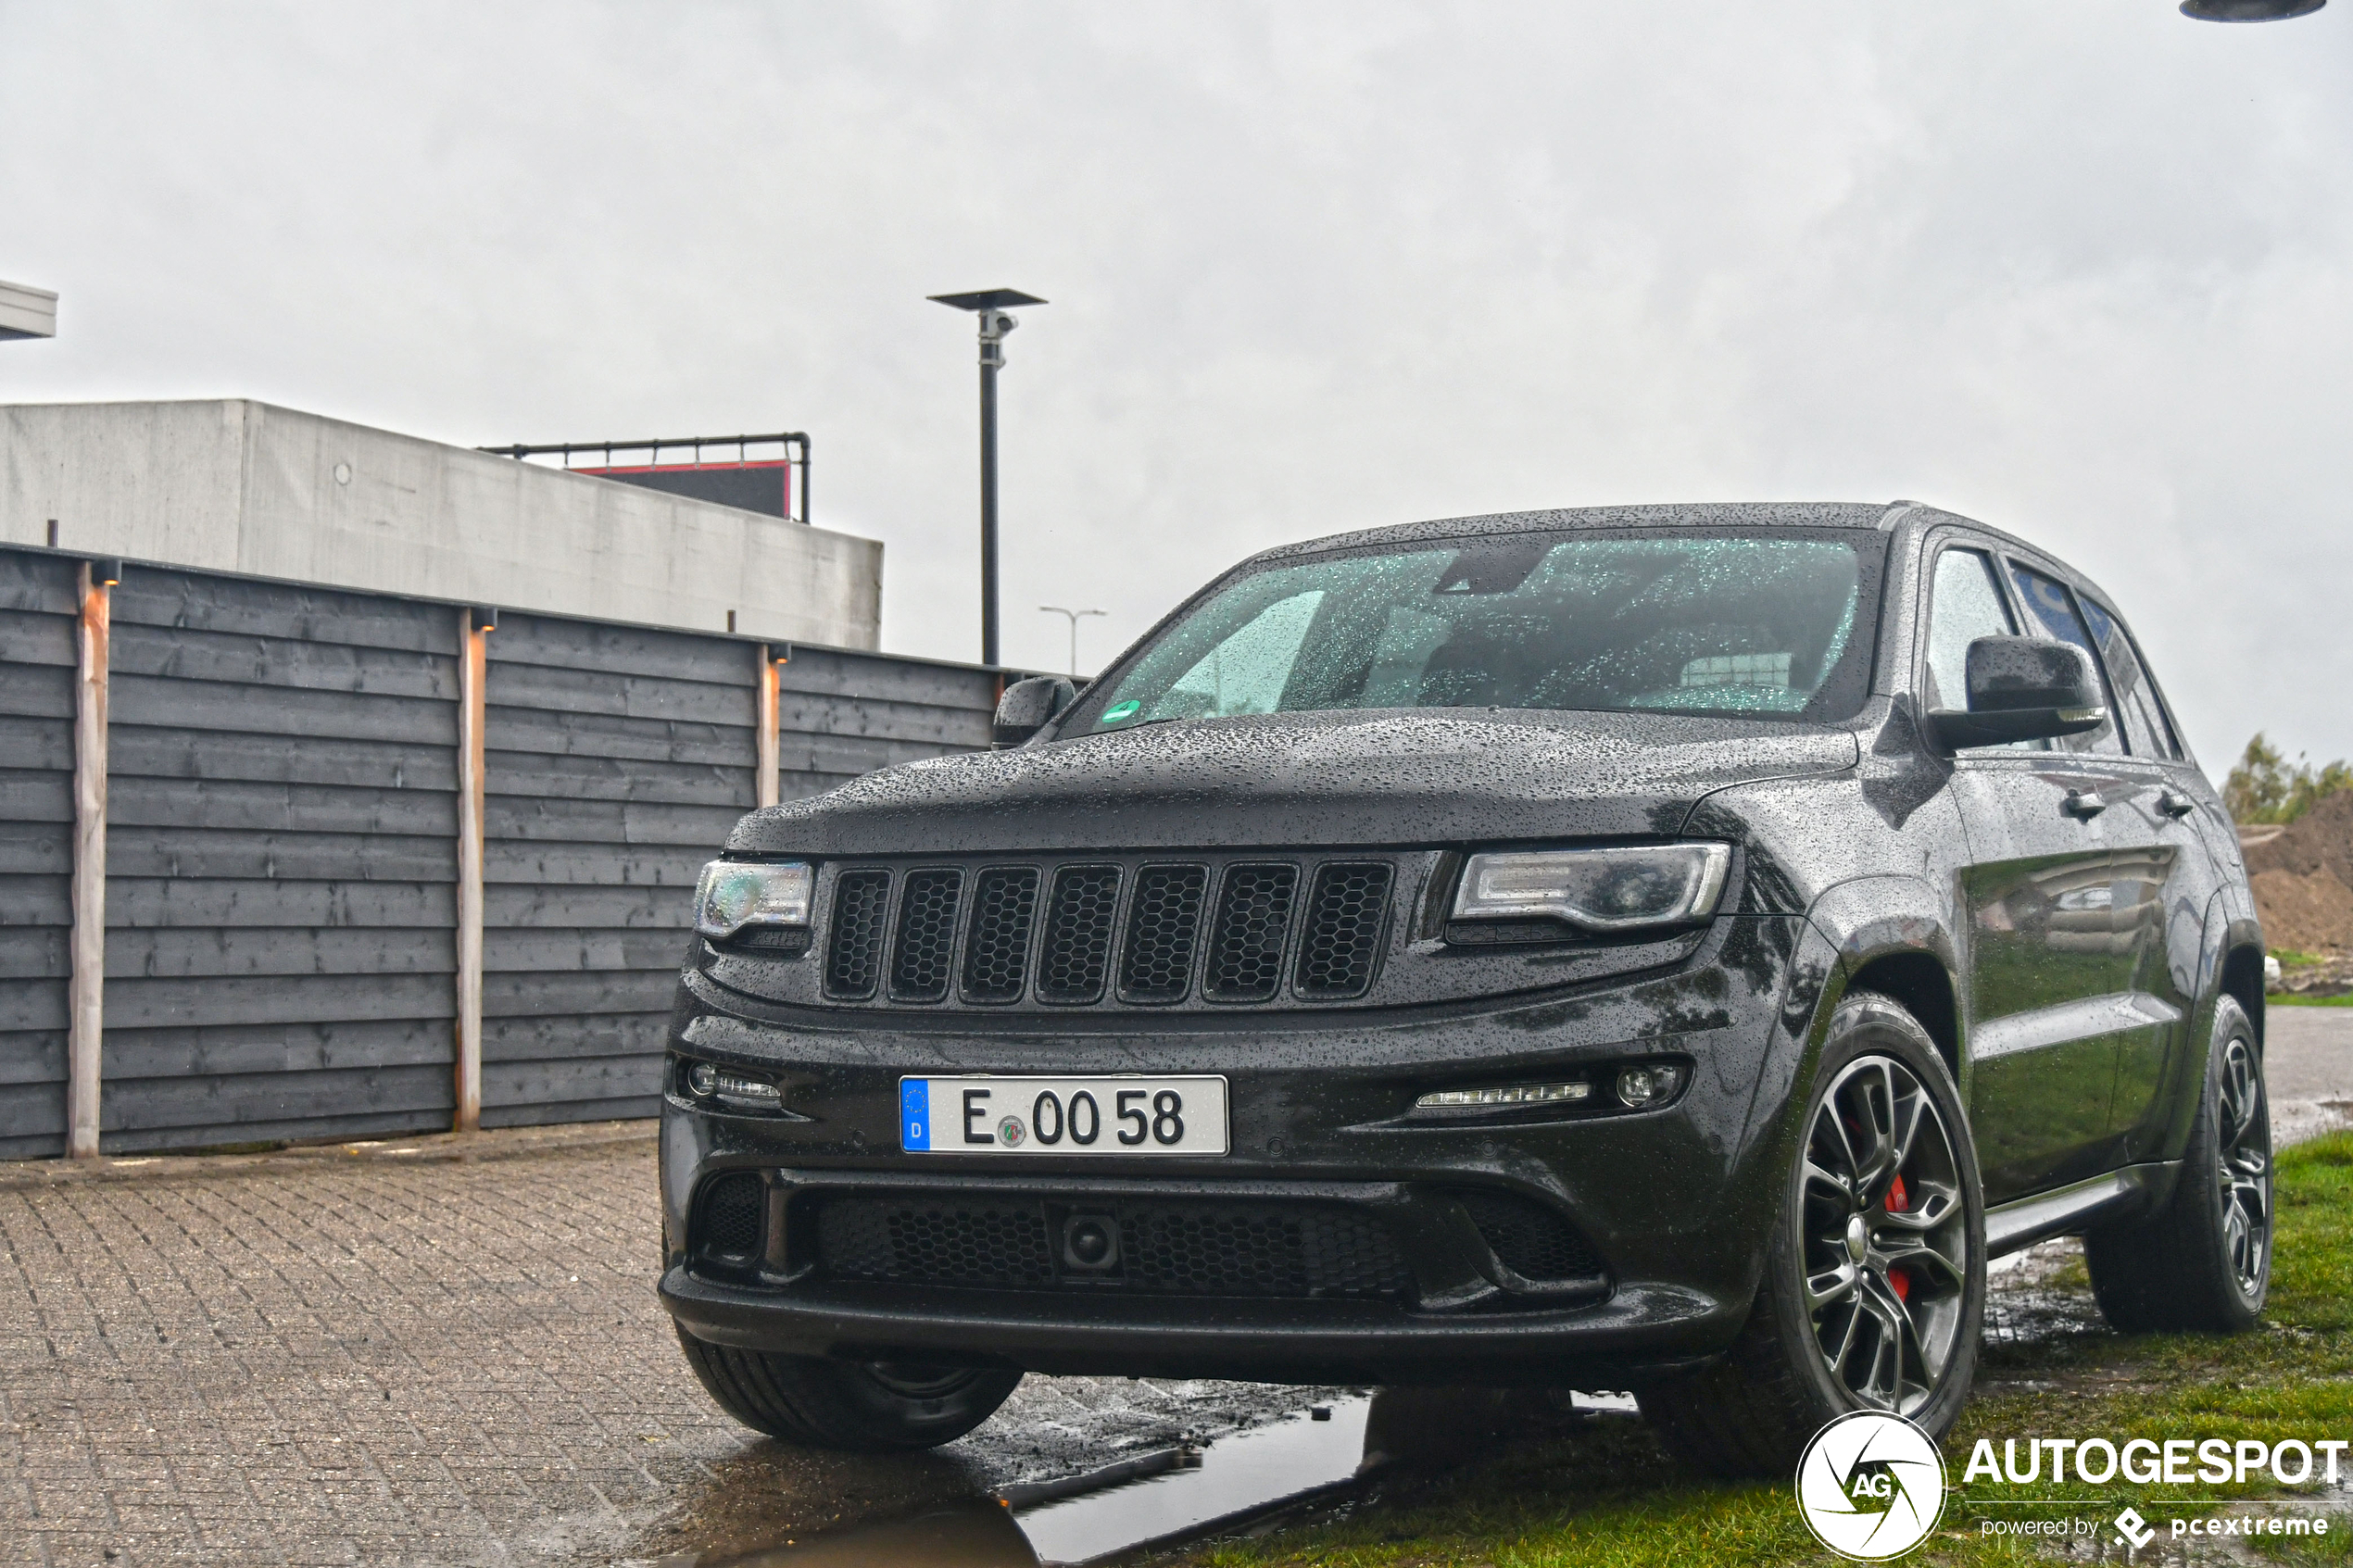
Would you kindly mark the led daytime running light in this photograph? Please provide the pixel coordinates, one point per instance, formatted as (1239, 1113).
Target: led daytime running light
(1508, 1094)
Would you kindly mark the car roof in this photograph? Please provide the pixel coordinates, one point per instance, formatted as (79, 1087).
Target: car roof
(1861, 515)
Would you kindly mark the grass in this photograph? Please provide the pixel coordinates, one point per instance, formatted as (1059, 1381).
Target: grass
(2287, 1001)
(1605, 1495)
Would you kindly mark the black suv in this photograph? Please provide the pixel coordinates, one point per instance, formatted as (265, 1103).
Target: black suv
(1661, 948)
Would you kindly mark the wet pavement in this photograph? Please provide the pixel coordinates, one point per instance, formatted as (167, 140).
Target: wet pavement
(447, 1351)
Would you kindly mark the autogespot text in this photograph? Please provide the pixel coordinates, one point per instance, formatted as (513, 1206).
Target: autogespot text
(2177, 1462)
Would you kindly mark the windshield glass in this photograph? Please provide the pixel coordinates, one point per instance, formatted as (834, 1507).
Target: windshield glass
(1760, 624)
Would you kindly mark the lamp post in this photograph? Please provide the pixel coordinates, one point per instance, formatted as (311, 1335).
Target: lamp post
(2248, 10)
(1074, 615)
(990, 305)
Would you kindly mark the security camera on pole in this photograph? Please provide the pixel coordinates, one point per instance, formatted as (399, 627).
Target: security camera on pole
(991, 306)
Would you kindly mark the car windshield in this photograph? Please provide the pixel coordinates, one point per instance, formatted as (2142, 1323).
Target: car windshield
(1750, 624)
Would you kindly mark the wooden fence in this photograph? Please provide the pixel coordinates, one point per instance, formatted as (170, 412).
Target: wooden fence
(368, 868)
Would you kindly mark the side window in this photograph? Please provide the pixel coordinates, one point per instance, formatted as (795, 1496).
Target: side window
(1965, 603)
(2053, 609)
(2144, 725)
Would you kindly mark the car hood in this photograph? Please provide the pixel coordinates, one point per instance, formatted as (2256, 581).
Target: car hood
(1460, 776)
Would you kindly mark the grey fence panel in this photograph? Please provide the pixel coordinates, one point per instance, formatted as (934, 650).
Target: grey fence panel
(282, 859)
(37, 615)
(282, 821)
(617, 761)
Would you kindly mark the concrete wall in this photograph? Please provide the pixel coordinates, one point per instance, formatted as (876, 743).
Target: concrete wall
(247, 487)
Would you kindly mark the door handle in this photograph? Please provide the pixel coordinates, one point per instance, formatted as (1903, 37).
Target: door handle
(2173, 803)
(2083, 804)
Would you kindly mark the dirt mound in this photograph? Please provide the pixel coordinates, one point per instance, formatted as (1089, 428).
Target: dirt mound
(2304, 879)
(2307, 914)
(2321, 840)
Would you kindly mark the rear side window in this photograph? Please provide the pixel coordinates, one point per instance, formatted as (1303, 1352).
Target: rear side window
(2145, 725)
(2052, 608)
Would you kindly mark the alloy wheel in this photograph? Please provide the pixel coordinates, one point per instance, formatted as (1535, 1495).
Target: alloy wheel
(1884, 1234)
(2242, 1165)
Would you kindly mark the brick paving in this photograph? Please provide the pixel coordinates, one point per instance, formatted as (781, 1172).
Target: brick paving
(323, 1361)
(437, 1351)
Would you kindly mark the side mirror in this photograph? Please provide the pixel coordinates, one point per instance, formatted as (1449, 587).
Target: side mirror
(1027, 707)
(2023, 688)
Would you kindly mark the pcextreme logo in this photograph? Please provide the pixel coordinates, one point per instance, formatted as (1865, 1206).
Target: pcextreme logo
(1870, 1486)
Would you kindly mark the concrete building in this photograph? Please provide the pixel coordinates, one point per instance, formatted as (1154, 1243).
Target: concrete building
(26, 311)
(245, 487)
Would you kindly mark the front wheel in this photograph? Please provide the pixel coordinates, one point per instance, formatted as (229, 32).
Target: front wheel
(2203, 1262)
(865, 1407)
(1874, 1288)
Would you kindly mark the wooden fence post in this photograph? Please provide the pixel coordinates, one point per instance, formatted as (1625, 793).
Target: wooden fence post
(471, 668)
(767, 758)
(85, 999)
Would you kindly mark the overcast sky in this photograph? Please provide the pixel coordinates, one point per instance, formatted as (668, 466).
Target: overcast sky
(2080, 270)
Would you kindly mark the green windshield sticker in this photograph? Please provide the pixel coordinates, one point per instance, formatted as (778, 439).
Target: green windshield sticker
(1117, 711)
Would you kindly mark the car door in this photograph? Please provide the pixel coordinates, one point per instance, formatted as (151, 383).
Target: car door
(2172, 879)
(2037, 892)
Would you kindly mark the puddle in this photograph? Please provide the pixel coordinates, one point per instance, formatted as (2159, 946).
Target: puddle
(1172, 1494)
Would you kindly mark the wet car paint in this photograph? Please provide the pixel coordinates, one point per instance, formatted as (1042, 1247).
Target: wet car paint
(1859, 853)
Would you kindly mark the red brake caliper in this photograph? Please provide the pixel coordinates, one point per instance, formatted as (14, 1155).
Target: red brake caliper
(1897, 1202)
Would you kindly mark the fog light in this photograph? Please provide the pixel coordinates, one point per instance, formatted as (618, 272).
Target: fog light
(1637, 1087)
(750, 1091)
(703, 1079)
(1503, 1094)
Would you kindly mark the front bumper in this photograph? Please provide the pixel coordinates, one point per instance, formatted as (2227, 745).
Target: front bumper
(1676, 1202)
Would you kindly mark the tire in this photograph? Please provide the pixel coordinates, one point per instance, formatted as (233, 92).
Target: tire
(1895, 1328)
(863, 1407)
(2203, 1262)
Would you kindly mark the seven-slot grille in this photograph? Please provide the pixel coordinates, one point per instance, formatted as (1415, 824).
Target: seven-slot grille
(1151, 933)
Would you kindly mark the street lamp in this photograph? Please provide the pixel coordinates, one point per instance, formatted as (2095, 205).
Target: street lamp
(1074, 615)
(990, 305)
(2248, 10)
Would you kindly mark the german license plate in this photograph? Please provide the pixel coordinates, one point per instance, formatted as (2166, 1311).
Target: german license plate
(1108, 1115)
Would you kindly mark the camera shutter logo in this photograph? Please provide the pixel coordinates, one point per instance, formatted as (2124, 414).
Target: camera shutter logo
(1871, 1486)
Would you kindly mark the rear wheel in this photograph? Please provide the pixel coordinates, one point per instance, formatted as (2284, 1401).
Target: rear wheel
(866, 1406)
(1874, 1288)
(2203, 1262)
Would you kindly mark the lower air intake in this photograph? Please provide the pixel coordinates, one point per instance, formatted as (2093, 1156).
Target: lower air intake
(1285, 1250)
(732, 1219)
(1530, 1240)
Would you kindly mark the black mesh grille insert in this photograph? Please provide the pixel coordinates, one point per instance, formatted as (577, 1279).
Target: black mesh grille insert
(1269, 1248)
(996, 948)
(734, 1220)
(1261, 1250)
(952, 1242)
(854, 962)
(923, 956)
(1078, 920)
(1163, 927)
(1346, 912)
(1531, 1239)
(1246, 945)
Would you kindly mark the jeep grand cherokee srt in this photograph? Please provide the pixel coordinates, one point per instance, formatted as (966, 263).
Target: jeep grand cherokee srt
(1669, 948)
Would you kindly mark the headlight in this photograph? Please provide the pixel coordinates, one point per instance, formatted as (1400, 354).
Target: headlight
(734, 893)
(1599, 889)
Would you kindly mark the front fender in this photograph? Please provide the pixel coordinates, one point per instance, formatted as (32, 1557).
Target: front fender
(1849, 926)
